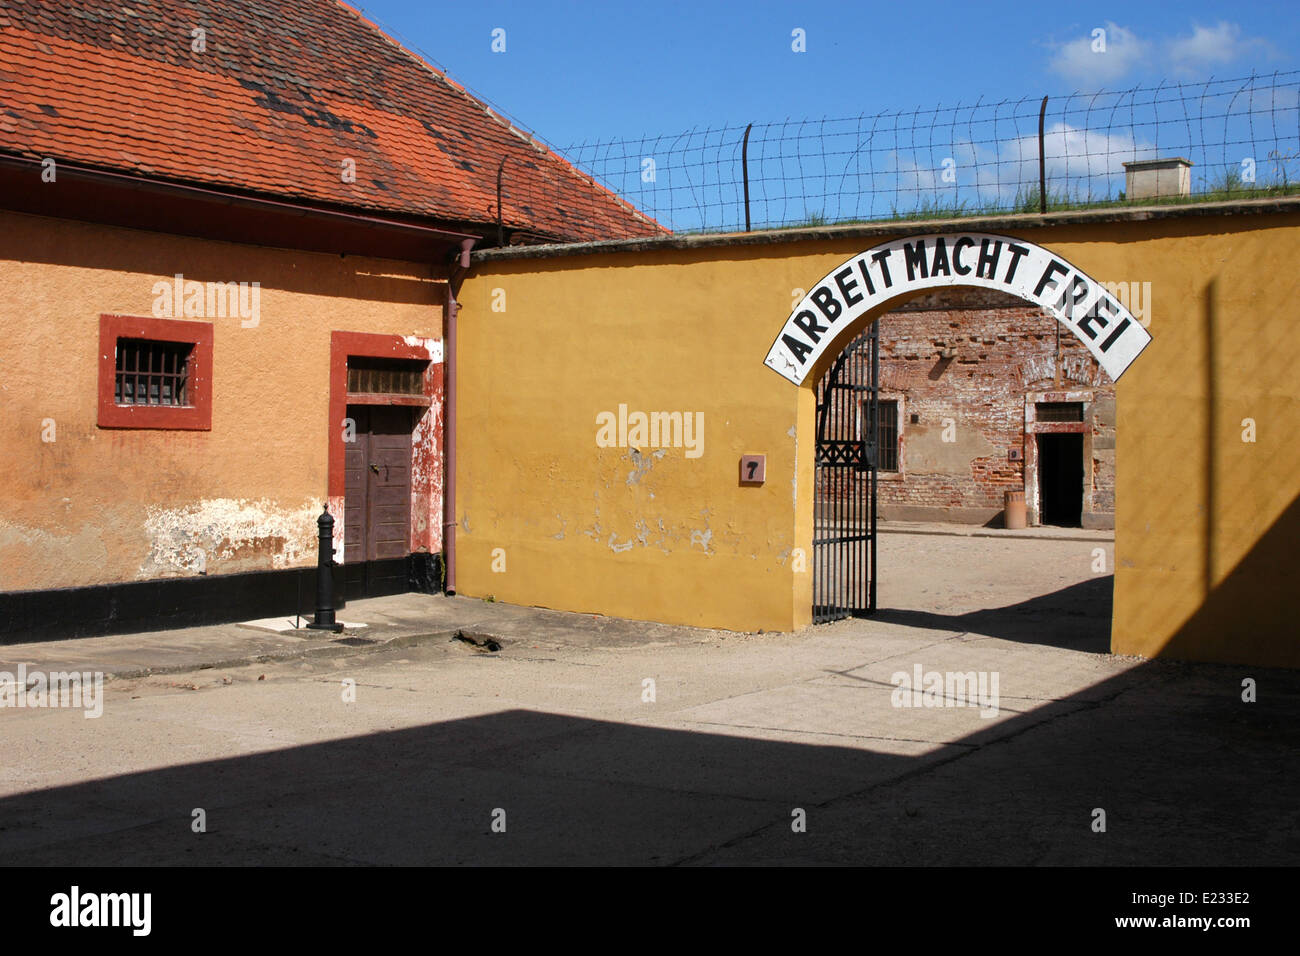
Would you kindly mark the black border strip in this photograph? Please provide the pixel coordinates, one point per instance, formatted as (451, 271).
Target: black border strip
(168, 603)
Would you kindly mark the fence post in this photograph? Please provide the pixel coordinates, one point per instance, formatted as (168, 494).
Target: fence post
(1042, 164)
(744, 165)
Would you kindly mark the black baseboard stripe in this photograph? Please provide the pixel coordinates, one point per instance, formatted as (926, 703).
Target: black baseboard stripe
(167, 603)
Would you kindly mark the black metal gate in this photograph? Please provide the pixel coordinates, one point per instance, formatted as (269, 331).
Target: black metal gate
(844, 494)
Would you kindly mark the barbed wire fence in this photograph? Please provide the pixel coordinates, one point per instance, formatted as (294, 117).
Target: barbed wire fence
(1241, 135)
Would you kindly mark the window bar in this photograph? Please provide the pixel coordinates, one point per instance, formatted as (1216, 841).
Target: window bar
(150, 376)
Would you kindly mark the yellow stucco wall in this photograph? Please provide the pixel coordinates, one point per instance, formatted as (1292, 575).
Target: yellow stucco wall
(657, 535)
(1205, 523)
(99, 506)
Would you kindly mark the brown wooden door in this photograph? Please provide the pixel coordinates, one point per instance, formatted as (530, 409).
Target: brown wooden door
(377, 502)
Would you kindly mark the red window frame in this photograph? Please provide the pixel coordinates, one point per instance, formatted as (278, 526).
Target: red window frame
(197, 415)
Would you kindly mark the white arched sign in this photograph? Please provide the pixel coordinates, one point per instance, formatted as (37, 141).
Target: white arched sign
(917, 263)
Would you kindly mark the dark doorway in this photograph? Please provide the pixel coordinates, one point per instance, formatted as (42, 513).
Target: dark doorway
(377, 502)
(1060, 479)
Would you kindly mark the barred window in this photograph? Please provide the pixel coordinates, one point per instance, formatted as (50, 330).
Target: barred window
(155, 373)
(149, 372)
(1058, 411)
(385, 376)
(887, 436)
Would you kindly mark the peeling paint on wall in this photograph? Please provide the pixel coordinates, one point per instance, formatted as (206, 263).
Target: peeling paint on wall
(641, 464)
(1074, 368)
(433, 345)
(227, 535)
(595, 532)
(337, 512)
(426, 454)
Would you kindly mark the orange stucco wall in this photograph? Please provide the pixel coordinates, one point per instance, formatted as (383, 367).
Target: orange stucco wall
(97, 505)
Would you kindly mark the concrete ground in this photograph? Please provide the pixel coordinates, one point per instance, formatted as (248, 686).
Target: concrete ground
(554, 738)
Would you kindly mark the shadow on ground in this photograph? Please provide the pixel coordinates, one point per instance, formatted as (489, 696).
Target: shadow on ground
(1075, 618)
(1186, 773)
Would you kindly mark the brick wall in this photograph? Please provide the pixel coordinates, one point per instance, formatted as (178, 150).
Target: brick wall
(961, 363)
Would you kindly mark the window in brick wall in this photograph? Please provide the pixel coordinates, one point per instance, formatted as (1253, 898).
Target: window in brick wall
(887, 436)
(886, 433)
(1058, 411)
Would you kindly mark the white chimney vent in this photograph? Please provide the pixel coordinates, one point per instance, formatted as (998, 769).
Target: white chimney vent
(1158, 178)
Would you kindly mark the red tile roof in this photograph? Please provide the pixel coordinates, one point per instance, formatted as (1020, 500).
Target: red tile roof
(284, 93)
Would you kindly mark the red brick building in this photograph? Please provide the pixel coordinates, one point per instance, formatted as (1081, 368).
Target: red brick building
(980, 395)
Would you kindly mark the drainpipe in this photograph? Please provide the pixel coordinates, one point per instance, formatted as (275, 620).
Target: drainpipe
(454, 279)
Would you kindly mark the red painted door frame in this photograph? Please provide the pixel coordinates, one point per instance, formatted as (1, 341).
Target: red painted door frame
(426, 436)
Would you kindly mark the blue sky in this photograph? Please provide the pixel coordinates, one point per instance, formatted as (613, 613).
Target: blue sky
(580, 71)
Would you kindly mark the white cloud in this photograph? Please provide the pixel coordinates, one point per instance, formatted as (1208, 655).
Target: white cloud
(1097, 60)
(1208, 47)
(1087, 164)
(912, 176)
(1094, 61)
